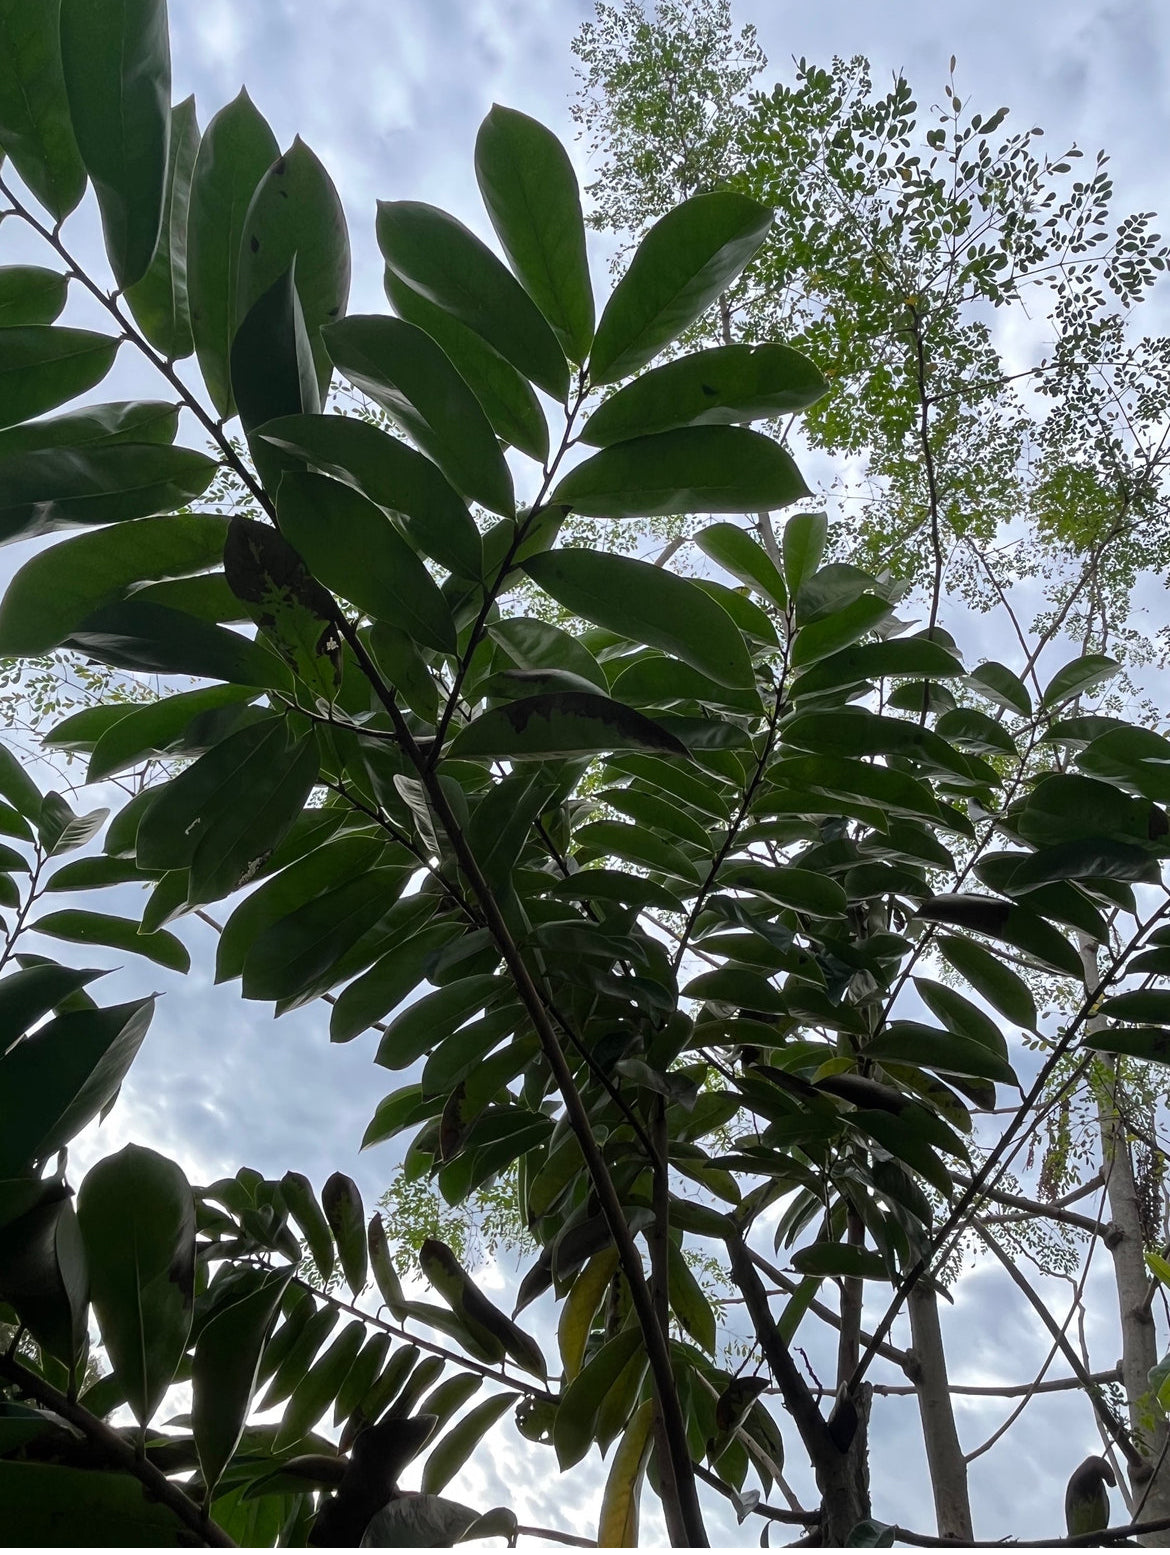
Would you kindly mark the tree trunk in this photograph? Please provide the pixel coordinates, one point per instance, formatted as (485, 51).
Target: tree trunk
(944, 1456)
(1125, 1239)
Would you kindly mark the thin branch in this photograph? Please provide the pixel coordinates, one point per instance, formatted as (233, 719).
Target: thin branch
(1008, 1390)
(116, 1451)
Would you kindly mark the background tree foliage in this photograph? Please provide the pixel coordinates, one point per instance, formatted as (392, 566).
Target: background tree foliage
(718, 924)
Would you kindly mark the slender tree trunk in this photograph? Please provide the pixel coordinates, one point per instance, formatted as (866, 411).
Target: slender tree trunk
(1125, 1239)
(944, 1456)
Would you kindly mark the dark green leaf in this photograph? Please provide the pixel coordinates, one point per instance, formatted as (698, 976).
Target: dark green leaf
(999, 685)
(65, 487)
(565, 723)
(92, 928)
(740, 554)
(54, 592)
(28, 995)
(352, 548)
(391, 979)
(716, 387)
(159, 300)
(648, 604)
(158, 727)
(1077, 677)
(117, 65)
(271, 366)
(43, 365)
(418, 1522)
(295, 215)
(876, 660)
(450, 1454)
(298, 951)
(1150, 1043)
(346, 1218)
(576, 1416)
(837, 1258)
(28, 293)
(222, 816)
(907, 1042)
(147, 637)
(234, 155)
(35, 129)
(318, 1388)
(392, 475)
(137, 1218)
(54, 1082)
(227, 1359)
(678, 270)
(508, 399)
(1006, 921)
(707, 469)
(530, 191)
(803, 545)
(302, 1205)
(443, 260)
(125, 421)
(402, 369)
(429, 1019)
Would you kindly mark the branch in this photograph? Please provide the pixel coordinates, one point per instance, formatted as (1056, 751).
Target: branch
(118, 1452)
(1008, 1390)
(1114, 1426)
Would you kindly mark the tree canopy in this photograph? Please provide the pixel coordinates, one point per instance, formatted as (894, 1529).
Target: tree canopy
(728, 920)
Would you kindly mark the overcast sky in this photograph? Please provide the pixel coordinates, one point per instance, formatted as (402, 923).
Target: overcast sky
(390, 96)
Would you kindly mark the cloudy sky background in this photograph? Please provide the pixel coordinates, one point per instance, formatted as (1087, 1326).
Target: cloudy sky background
(390, 97)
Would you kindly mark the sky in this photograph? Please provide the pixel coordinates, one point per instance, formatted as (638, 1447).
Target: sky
(390, 97)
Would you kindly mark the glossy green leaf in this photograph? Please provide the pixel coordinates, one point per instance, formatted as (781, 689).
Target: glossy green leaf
(234, 154)
(295, 214)
(159, 300)
(648, 604)
(577, 1413)
(1003, 989)
(484, 1320)
(137, 1218)
(54, 1506)
(1002, 687)
(54, 1082)
(28, 995)
(342, 1204)
(817, 639)
(1140, 1006)
(452, 1452)
(530, 192)
(63, 488)
(227, 1360)
(327, 864)
(1149, 1043)
(394, 476)
(139, 636)
(302, 1205)
(405, 668)
(158, 727)
(352, 548)
(1078, 676)
(383, 1270)
(30, 294)
(1006, 921)
(678, 270)
(402, 369)
(222, 817)
(565, 723)
(318, 1388)
(875, 661)
(740, 554)
(444, 261)
(802, 546)
(124, 421)
(271, 366)
(432, 1017)
(116, 59)
(391, 979)
(724, 385)
(35, 128)
(92, 928)
(960, 1015)
(296, 953)
(508, 399)
(712, 469)
(907, 1042)
(43, 365)
(294, 613)
(55, 591)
